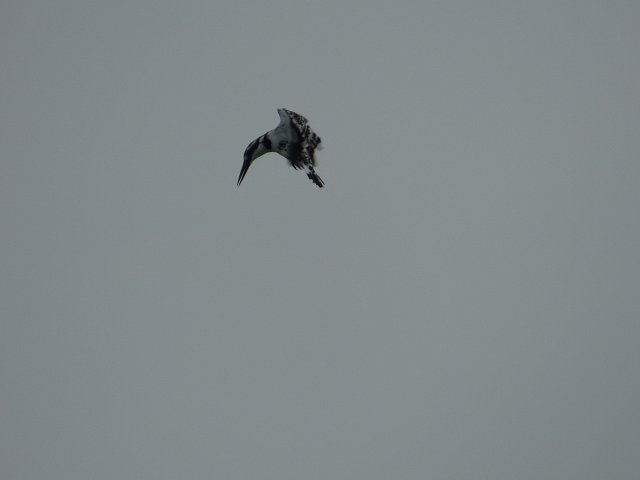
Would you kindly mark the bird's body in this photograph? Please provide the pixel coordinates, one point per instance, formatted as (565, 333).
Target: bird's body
(293, 139)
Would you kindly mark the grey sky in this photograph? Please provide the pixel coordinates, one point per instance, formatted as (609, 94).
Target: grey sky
(460, 301)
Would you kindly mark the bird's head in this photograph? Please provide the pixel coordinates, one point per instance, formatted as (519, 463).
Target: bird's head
(255, 149)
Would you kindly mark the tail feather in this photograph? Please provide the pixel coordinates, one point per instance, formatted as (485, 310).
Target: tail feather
(315, 178)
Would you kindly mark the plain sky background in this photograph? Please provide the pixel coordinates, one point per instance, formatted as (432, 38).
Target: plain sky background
(462, 300)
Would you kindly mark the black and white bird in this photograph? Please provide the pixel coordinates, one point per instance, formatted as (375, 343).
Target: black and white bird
(293, 139)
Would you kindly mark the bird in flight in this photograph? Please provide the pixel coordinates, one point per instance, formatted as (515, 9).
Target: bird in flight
(293, 139)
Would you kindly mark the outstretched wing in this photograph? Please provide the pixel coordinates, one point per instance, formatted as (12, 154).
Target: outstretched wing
(308, 138)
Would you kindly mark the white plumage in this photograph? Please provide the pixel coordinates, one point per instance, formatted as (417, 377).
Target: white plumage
(293, 139)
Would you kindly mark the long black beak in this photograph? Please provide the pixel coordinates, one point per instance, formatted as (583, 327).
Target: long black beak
(245, 168)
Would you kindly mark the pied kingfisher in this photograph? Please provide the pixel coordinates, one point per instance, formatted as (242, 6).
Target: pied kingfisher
(293, 139)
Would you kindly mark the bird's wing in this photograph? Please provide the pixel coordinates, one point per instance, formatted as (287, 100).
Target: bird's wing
(286, 128)
(309, 139)
(298, 120)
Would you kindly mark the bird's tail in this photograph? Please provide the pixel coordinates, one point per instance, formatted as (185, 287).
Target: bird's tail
(315, 178)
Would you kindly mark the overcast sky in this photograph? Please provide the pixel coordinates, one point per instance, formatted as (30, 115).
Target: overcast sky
(462, 300)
